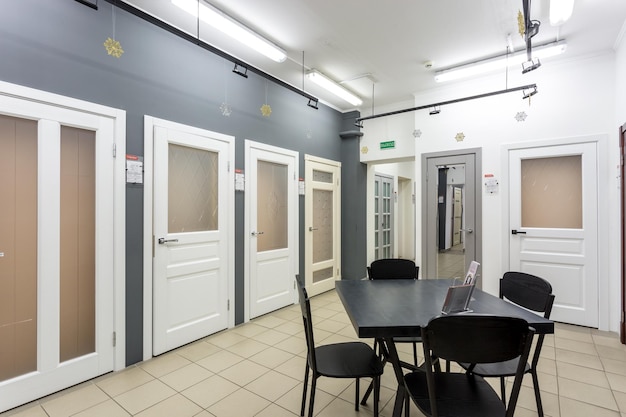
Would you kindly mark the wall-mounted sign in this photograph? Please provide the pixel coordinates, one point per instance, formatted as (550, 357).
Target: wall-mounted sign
(390, 144)
(134, 169)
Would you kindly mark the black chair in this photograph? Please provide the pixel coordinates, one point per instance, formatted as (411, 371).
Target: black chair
(469, 338)
(532, 293)
(339, 360)
(394, 268)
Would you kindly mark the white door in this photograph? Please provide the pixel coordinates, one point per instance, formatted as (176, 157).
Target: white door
(322, 224)
(383, 216)
(56, 248)
(193, 189)
(271, 202)
(553, 223)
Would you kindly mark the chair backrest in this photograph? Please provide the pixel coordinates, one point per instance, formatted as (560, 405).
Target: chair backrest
(305, 306)
(529, 291)
(476, 338)
(393, 268)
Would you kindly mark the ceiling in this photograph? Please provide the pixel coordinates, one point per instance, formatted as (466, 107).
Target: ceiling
(378, 49)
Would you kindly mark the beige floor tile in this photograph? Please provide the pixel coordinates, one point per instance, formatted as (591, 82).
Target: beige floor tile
(249, 329)
(186, 376)
(196, 351)
(620, 398)
(609, 339)
(576, 346)
(164, 364)
(611, 352)
(582, 334)
(247, 348)
(75, 401)
(573, 408)
(291, 328)
(271, 357)
(269, 321)
(225, 339)
(28, 410)
(293, 344)
(582, 359)
(270, 337)
(241, 403)
(294, 367)
(272, 385)
(220, 361)
(343, 408)
(125, 380)
(582, 374)
(617, 382)
(210, 391)
(108, 408)
(289, 314)
(590, 394)
(244, 372)
(329, 325)
(144, 396)
(176, 405)
(274, 410)
(204, 413)
(614, 366)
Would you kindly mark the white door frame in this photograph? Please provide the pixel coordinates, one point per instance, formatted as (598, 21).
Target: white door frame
(604, 299)
(295, 229)
(19, 102)
(148, 197)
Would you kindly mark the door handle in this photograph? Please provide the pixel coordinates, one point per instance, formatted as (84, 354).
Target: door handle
(311, 228)
(467, 230)
(517, 232)
(256, 233)
(162, 240)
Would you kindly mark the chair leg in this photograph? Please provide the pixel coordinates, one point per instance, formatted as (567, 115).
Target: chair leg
(306, 382)
(356, 399)
(407, 405)
(312, 398)
(376, 394)
(537, 393)
(503, 389)
(415, 361)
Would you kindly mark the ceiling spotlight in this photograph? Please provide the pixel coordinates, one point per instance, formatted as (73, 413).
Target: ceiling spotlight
(237, 71)
(313, 103)
(435, 110)
(359, 124)
(527, 93)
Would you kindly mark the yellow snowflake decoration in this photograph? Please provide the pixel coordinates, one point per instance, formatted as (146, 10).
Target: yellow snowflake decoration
(521, 24)
(459, 137)
(266, 110)
(365, 149)
(113, 47)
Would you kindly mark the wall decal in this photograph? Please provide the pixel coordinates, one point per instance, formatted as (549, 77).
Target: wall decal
(521, 116)
(459, 137)
(417, 133)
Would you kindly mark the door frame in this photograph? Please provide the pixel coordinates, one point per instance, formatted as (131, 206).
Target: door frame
(28, 95)
(295, 232)
(604, 299)
(148, 234)
(478, 203)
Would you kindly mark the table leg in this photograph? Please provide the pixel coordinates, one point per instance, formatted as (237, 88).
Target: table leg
(394, 359)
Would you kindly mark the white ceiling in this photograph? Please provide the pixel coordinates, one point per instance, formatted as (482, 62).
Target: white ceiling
(378, 47)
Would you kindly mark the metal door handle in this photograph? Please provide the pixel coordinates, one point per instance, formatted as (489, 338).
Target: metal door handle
(467, 230)
(311, 228)
(517, 232)
(162, 240)
(257, 233)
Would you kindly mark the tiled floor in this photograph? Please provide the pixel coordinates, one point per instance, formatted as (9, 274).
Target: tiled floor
(257, 369)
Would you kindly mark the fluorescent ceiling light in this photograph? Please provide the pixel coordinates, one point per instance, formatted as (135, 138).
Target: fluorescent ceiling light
(560, 11)
(330, 85)
(231, 27)
(500, 62)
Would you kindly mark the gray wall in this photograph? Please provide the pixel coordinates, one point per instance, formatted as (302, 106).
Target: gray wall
(57, 46)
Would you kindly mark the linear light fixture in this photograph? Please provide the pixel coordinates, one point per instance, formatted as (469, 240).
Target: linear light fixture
(330, 85)
(500, 62)
(232, 28)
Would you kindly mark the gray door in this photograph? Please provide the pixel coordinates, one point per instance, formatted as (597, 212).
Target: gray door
(442, 175)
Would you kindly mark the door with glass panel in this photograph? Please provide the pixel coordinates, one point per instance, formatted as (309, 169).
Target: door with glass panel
(383, 216)
(56, 252)
(271, 202)
(553, 225)
(193, 192)
(322, 224)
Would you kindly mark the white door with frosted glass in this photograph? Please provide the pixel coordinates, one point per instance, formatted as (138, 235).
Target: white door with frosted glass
(193, 209)
(271, 200)
(383, 216)
(56, 249)
(322, 224)
(553, 225)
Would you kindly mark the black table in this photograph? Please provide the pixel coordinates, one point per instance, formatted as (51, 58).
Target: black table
(384, 309)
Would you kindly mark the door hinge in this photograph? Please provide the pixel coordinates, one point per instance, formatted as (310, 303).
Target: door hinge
(228, 166)
(114, 338)
(337, 271)
(227, 305)
(114, 150)
(153, 246)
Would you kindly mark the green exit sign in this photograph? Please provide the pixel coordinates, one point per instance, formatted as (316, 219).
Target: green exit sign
(390, 144)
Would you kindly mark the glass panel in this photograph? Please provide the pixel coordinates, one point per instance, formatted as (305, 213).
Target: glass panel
(193, 189)
(323, 225)
(18, 243)
(77, 245)
(450, 258)
(272, 210)
(552, 192)
(322, 176)
(323, 274)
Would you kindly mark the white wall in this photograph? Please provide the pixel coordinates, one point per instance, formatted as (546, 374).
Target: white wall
(575, 99)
